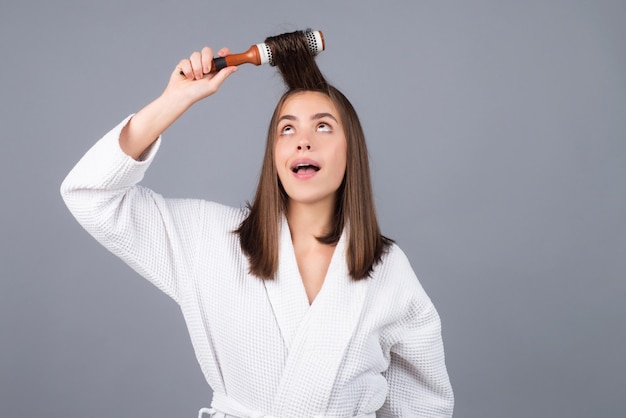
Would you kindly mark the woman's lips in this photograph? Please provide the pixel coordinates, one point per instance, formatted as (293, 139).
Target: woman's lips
(304, 167)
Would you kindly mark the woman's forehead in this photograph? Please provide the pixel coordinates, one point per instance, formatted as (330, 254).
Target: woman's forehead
(308, 102)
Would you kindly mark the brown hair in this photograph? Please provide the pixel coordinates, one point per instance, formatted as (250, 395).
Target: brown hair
(291, 54)
(354, 210)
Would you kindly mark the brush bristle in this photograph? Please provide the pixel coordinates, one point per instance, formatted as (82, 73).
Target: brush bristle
(294, 56)
(315, 41)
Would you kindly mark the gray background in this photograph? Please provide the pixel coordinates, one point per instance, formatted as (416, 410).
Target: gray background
(497, 133)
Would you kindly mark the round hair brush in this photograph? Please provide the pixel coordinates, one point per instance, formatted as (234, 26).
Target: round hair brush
(262, 54)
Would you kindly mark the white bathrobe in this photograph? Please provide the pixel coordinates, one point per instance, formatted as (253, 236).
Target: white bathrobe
(362, 347)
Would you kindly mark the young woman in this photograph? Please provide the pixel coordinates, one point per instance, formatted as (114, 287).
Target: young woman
(297, 306)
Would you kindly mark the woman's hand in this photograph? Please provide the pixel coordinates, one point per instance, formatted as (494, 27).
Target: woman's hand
(192, 81)
(182, 91)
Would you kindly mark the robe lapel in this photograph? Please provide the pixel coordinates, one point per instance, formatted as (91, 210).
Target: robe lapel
(321, 337)
(286, 292)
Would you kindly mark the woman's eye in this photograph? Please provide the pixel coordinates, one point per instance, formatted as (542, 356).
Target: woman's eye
(324, 127)
(287, 130)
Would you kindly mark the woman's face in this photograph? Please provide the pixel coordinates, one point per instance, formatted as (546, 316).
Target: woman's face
(310, 148)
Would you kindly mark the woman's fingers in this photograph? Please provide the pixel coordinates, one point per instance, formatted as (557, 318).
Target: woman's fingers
(184, 67)
(196, 64)
(192, 78)
(222, 75)
(206, 59)
(200, 63)
(223, 52)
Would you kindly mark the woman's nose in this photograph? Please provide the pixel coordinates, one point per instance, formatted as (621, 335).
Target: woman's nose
(304, 143)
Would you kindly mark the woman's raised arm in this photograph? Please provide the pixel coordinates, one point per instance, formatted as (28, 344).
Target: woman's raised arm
(188, 84)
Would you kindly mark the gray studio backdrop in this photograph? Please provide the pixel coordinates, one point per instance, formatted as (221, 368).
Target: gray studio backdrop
(497, 131)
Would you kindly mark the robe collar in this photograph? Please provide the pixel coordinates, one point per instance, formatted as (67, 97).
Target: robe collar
(316, 336)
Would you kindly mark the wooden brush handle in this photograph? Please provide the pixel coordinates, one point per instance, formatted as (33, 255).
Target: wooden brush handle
(251, 56)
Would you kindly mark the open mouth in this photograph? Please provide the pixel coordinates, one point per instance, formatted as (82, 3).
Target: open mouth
(305, 168)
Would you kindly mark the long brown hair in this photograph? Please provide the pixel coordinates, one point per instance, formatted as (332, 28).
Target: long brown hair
(354, 206)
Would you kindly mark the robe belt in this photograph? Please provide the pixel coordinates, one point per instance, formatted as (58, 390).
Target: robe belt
(223, 406)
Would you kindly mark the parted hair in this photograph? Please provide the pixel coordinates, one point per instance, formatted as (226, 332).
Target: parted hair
(354, 204)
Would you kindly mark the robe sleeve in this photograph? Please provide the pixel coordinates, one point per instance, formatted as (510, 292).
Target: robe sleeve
(417, 378)
(133, 222)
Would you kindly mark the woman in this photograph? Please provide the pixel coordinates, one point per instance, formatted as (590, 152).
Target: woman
(296, 306)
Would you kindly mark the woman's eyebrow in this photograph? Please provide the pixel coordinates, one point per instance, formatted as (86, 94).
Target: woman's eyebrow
(288, 117)
(323, 115)
(314, 117)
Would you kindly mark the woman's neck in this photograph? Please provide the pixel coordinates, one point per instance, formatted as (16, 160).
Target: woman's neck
(309, 221)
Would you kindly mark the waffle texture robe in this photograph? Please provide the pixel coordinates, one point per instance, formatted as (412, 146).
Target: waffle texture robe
(362, 347)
